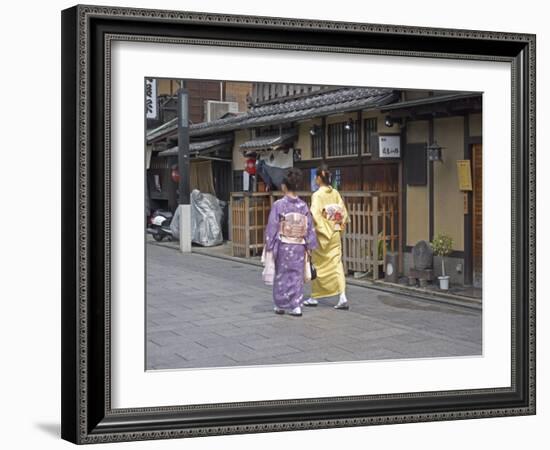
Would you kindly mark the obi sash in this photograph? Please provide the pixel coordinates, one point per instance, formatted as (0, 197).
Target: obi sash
(335, 213)
(292, 228)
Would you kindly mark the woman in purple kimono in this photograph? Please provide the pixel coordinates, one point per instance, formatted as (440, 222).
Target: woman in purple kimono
(290, 237)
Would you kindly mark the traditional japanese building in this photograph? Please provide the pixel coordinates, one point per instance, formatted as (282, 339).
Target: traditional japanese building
(395, 155)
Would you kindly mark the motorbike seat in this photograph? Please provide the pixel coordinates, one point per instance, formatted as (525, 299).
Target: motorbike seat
(162, 213)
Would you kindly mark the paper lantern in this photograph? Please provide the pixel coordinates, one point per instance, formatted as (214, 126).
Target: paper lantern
(250, 166)
(175, 174)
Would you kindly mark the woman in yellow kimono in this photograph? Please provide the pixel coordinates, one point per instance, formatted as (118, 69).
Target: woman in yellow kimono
(329, 216)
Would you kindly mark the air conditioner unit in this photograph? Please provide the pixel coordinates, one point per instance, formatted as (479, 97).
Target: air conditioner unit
(215, 109)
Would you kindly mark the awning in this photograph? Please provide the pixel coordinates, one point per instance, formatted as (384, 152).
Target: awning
(430, 100)
(316, 105)
(201, 147)
(268, 142)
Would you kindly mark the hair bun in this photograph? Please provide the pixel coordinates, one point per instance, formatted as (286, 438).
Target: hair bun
(324, 173)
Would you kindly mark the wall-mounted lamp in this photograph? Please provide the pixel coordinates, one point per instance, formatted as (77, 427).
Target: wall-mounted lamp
(389, 121)
(314, 130)
(348, 126)
(434, 151)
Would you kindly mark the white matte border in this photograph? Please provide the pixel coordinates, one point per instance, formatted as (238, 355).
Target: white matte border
(132, 386)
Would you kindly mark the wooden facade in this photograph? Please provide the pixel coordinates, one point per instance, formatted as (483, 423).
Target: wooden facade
(199, 92)
(371, 231)
(397, 199)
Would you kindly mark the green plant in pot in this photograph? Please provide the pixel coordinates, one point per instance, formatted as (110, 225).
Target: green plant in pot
(442, 246)
(381, 243)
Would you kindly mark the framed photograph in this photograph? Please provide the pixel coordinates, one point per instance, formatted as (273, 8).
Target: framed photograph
(281, 224)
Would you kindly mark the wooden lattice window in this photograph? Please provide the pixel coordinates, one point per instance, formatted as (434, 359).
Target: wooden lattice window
(317, 143)
(369, 130)
(343, 141)
(238, 181)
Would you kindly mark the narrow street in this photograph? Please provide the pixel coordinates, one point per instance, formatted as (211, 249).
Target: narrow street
(208, 312)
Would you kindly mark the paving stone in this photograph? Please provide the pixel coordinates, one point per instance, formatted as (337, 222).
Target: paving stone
(216, 341)
(205, 312)
(266, 343)
(375, 354)
(164, 360)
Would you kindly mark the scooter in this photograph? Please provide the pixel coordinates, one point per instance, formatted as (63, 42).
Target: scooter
(159, 225)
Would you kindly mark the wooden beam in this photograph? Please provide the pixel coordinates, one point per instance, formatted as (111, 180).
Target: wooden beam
(324, 129)
(360, 144)
(402, 211)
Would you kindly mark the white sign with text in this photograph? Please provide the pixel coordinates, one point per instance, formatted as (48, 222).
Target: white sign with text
(151, 98)
(390, 146)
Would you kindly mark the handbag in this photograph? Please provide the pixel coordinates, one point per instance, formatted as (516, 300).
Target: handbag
(268, 274)
(313, 270)
(310, 273)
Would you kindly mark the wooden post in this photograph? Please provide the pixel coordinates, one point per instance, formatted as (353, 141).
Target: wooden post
(362, 253)
(232, 221)
(375, 237)
(247, 225)
(367, 199)
(325, 138)
(400, 208)
(345, 239)
(259, 212)
(392, 225)
(265, 219)
(360, 145)
(384, 243)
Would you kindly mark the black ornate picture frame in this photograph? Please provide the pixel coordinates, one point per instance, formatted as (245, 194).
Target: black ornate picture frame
(87, 34)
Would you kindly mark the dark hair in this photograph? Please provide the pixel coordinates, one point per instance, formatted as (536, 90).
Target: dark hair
(292, 179)
(324, 174)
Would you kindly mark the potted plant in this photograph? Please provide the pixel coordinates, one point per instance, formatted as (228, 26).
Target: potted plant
(442, 246)
(380, 254)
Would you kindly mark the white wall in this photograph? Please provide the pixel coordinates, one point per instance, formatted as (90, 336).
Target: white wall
(30, 319)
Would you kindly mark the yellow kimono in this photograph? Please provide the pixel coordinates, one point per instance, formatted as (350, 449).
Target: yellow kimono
(327, 257)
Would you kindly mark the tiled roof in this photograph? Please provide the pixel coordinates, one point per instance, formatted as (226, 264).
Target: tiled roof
(265, 142)
(431, 99)
(315, 105)
(197, 147)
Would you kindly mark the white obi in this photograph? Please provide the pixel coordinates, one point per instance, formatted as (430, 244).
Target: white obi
(293, 228)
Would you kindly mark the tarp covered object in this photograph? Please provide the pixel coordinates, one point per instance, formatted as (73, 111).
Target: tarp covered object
(206, 219)
(272, 176)
(175, 224)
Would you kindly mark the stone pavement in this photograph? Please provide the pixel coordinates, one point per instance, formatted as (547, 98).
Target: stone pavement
(209, 312)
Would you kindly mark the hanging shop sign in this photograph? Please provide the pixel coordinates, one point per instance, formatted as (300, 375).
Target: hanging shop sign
(464, 174)
(151, 98)
(389, 146)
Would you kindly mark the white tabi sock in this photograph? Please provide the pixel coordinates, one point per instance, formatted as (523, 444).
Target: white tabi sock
(343, 299)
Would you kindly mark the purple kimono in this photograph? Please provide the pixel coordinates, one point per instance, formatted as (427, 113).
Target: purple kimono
(289, 258)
